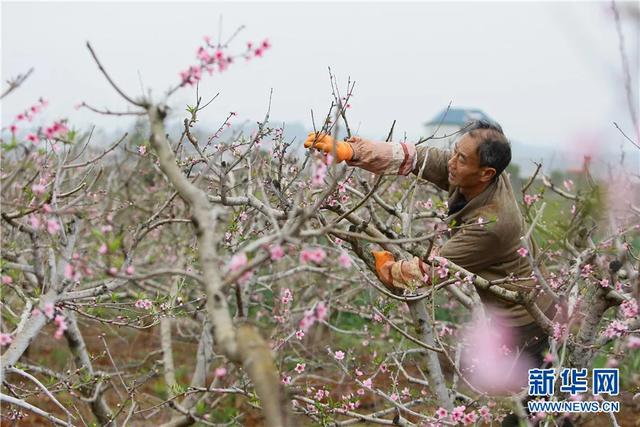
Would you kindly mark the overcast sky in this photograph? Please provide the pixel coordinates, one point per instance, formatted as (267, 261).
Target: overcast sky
(550, 73)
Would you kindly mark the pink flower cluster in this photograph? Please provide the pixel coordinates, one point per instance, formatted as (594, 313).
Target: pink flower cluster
(56, 130)
(49, 310)
(529, 199)
(633, 342)
(78, 267)
(559, 331)
(442, 270)
(313, 315)
(237, 263)
(40, 187)
(458, 415)
(615, 329)
(53, 226)
(28, 115)
(71, 272)
(344, 260)
(276, 252)
(586, 270)
(629, 308)
(485, 413)
(61, 326)
(428, 204)
(5, 339)
(213, 57)
(286, 296)
(144, 304)
(313, 255)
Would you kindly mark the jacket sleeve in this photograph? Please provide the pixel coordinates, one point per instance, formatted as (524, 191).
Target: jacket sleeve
(390, 158)
(431, 164)
(473, 248)
(393, 158)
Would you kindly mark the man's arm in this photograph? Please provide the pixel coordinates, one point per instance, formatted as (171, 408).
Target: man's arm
(391, 158)
(395, 158)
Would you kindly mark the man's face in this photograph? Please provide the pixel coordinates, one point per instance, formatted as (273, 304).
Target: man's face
(464, 165)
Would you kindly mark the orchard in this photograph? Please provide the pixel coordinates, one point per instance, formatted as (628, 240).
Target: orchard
(219, 279)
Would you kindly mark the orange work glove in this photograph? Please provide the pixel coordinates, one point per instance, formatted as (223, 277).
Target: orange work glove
(399, 275)
(326, 142)
(384, 261)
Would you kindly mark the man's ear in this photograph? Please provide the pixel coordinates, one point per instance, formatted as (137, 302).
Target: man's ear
(487, 174)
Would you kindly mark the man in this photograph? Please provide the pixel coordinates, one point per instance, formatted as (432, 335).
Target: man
(487, 223)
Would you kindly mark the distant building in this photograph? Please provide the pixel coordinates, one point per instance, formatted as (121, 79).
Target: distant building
(447, 122)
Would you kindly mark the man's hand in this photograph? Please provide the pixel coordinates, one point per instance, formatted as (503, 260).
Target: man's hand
(325, 142)
(400, 275)
(384, 261)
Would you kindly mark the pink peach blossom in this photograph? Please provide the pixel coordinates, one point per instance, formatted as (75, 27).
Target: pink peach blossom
(629, 308)
(633, 342)
(344, 260)
(61, 326)
(559, 331)
(238, 261)
(458, 413)
(286, 296)
(276, 252)
(53, 226)
(615, 329)
(49, 310)
(143, 304)
(321, 311)
(38, 189)
(5, 339)
(470, 418)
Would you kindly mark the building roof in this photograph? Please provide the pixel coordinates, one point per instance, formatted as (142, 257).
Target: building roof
(457, 116)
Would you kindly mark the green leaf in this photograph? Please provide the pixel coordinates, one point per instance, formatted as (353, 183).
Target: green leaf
(71, 135)
(8, 146)
(115, 243)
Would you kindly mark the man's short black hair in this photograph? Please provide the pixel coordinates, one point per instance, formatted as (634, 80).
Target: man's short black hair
(494, 149)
